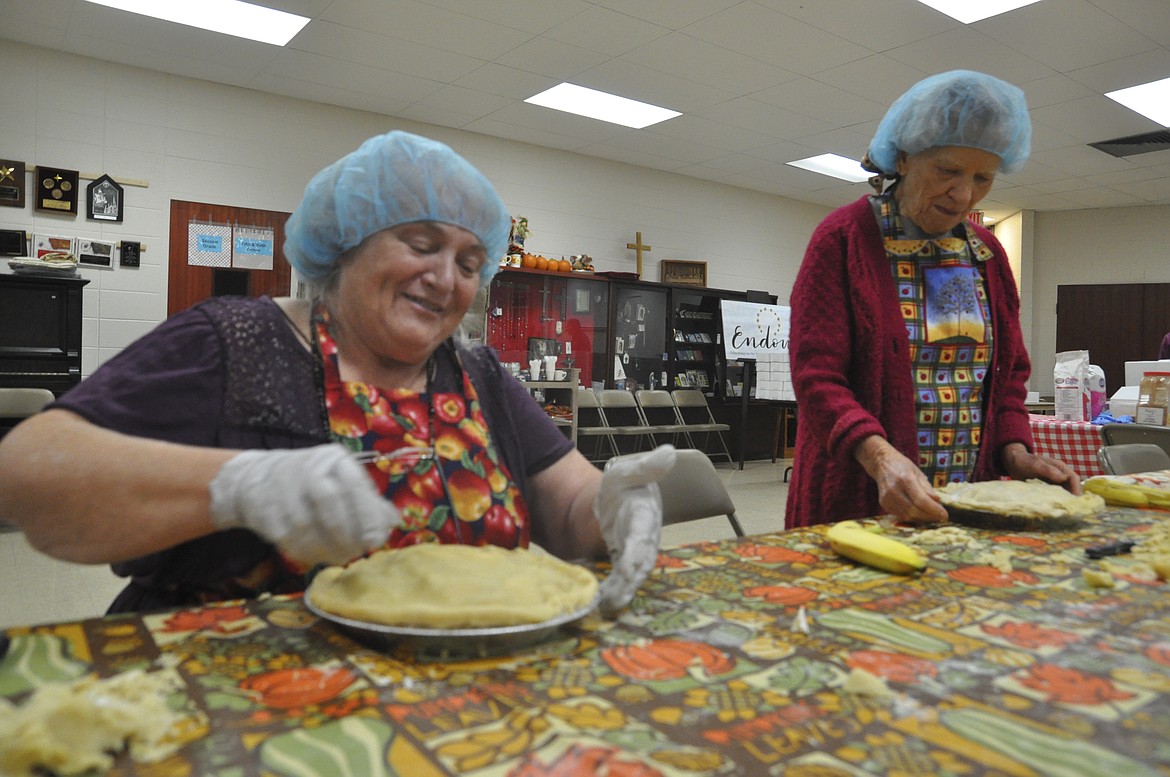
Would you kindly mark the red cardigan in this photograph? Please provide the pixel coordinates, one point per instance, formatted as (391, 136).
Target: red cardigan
(851, 368)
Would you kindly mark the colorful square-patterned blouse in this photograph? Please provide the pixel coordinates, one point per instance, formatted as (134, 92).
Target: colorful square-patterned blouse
(943, 297)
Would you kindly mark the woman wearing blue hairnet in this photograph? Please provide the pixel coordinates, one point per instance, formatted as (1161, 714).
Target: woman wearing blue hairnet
(214, 458)
(907, 357)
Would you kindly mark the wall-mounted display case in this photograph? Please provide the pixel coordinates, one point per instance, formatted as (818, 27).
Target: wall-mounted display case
(696, 340)
(640, 355)
(623, 333)
(620, 333)
(533, 313)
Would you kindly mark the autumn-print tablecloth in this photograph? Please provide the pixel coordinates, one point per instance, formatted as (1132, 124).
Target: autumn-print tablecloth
(1002, 660)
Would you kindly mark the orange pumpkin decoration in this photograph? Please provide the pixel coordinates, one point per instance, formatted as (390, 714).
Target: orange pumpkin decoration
(288, 688)
(666, 659)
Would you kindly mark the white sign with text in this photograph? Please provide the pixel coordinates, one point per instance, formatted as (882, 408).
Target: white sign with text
(752, 330)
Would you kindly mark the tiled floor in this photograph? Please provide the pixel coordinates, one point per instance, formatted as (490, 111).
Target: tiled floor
(37, 589)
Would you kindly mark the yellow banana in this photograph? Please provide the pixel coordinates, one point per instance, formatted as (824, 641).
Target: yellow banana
(1116, 493)
(849, 539)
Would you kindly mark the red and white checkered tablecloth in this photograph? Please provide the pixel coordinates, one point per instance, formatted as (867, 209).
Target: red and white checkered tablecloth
(1073, 442)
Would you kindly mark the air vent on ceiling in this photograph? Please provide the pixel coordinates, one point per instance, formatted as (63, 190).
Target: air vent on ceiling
(1158, 140)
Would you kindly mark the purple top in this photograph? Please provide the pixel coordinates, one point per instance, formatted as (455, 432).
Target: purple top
(1164, 351)
(231, 372)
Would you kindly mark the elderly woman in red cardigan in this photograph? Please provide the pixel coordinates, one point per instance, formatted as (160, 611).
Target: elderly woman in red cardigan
(907, 357)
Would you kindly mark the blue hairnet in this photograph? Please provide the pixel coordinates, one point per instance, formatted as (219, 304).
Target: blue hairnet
(958, 108)
(393, 179)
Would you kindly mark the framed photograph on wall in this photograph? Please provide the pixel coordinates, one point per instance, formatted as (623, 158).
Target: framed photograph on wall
(12, 242)
(540, 347)
(105, 200)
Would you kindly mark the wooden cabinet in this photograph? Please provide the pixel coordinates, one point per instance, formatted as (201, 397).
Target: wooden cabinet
(562, 394)
(533, 313)
(697, 359)
(40, 331)
(662, 335)
(639, 343)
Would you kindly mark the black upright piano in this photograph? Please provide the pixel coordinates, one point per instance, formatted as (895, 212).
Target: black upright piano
(40, 331)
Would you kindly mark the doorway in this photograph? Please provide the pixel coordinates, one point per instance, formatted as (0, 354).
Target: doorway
(188, 284)
(1114, 322)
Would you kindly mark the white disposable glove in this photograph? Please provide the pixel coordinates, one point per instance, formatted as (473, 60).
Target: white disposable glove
(629, 508)
(316, 504)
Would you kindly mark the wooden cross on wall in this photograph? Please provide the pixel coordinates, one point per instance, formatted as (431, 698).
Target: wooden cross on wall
(638, 248)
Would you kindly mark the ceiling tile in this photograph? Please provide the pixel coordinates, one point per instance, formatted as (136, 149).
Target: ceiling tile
(760, 82)
(362, 47)
(821, 101)
(706, 63)
(967, 49)
(554, 59)
(777, 39)
(895, 22)
(609, 32)
(1086, 35)
(535, 18)
(656, 87)
(1148, 16)
(427, 25)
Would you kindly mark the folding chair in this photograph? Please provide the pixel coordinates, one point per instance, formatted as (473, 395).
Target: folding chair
(23, 402)
(695, 414)
(693, 490)
(17, 404)
(620, 410)
(591, 425)
(1117, 434)
(658, 413)
(1126, 458)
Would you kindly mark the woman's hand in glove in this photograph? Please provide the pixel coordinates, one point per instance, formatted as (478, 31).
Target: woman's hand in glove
(629, 508)
(316, 504)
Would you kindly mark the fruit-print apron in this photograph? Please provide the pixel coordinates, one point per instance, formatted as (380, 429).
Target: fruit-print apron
(441, 470)
(943, 297)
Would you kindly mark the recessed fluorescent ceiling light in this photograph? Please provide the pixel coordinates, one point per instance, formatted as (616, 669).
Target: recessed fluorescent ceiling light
(1151, 100)
(968, 11)
(600, 105)
(231, 17)
(835, 165)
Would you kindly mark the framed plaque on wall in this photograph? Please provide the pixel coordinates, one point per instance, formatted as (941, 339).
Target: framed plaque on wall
(105, 200)
(11, 183)
(56, 190)
(684, 273)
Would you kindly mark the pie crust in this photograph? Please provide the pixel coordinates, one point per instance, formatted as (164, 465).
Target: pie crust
(453, 587)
